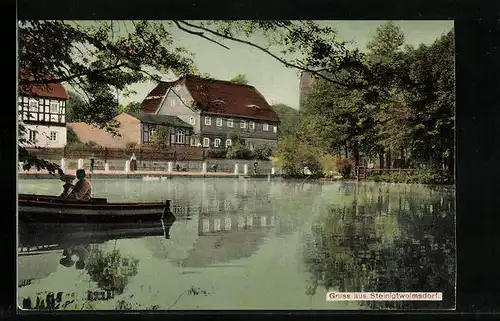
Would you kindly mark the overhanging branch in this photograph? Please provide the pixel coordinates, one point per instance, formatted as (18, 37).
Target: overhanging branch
(68, 78)
(286, 63)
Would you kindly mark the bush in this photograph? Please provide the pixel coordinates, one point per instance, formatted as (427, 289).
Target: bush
(216, 153)
(344, 166)
(131, 144)
(238, 152)
(263, 152)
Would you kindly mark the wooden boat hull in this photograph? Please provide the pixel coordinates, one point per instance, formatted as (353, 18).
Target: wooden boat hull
(55, 210)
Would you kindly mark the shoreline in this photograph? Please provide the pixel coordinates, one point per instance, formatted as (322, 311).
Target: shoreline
(157, 175)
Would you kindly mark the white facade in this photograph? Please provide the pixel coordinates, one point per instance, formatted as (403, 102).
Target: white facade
(44, 120)
(46, 136)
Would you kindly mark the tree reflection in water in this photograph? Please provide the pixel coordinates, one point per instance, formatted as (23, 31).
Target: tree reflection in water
(111, 271)
(372, 246)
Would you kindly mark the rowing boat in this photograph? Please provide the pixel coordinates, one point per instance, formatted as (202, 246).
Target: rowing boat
(52, 209)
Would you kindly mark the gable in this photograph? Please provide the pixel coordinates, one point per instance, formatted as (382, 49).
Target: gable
(178, 101)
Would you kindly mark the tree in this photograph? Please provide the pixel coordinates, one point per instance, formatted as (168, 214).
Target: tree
(132, 106)
(240, 79)
(75, 108)
(289, 119)
(160, 137)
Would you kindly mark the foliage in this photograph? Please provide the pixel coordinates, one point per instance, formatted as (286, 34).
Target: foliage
(71, 136)
(132, 106)
(217, 153)
(240, 79)
(409, 116)
(160, 137)
(111, 271)
(238, 151)
(75, 108)
(296, 154)
(289, 119)
(344, 166)
(83, 145)
(263, 152)
(131, 144)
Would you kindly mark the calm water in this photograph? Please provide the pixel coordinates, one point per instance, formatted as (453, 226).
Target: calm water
(249, 244)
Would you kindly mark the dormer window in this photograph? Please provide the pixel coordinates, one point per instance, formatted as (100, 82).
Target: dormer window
(251, 125)
(219, 101)
(253, 106)
(219, 122)
(243, 124)
(265, 127)
(208, 121)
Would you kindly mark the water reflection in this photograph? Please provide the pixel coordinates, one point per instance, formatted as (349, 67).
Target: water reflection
(384, 243)
(288, 241)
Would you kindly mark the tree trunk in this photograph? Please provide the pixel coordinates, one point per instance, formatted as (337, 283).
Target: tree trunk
(451, 160)
(381, 159)
(356, 157)
(346, 150)
(402, 152)
(388, 158)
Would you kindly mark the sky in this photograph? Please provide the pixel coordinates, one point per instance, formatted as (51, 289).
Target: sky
(277, 83)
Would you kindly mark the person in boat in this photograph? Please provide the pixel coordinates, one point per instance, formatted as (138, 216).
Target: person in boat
(68, 186)
(82, 189)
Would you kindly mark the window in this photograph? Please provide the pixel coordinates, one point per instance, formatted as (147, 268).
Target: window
(275, 129)
(54, 107)
(230, 123)
(206, 142)
(228, 142)
(243, 124)
(192, 141)
(32, 135)
(208, 121)
(219, 122)
(251, 125)
(179, 137)
(53, 136)
(265, 127)
(192, 120)
(152, 131)
(33, 105)
(217, 142)
(172, 102)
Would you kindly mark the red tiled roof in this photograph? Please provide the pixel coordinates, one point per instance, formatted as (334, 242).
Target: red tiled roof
(150, 106)
(152, 101)
(55, 90)
(237, 100)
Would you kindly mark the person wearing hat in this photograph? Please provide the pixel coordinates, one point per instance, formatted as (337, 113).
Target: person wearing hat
(82, 189)
(68, 186)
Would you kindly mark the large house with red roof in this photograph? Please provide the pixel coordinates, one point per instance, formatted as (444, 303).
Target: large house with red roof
(42, 108)
(218, 111)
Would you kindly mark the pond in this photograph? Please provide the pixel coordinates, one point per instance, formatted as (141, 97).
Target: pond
(250, 244)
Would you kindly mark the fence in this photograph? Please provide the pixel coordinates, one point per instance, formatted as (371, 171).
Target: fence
(142, 154)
